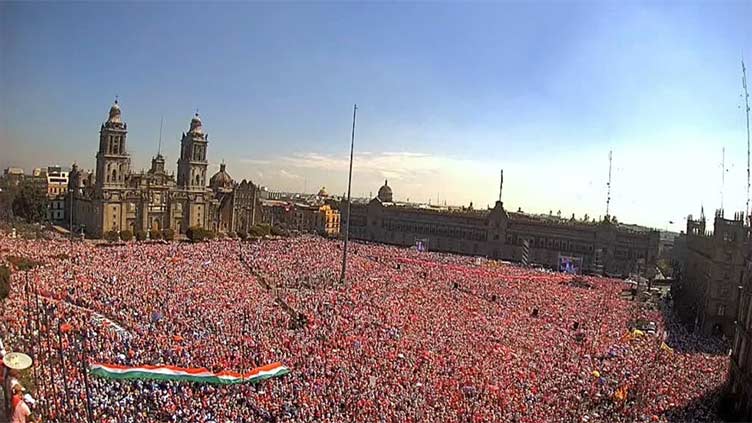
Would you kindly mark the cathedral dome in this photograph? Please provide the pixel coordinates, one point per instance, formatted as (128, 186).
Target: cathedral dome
(385, 193)
(114, 113)
(221, 180)
(196, 124)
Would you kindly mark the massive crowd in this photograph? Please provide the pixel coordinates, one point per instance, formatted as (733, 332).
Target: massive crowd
(410, 337)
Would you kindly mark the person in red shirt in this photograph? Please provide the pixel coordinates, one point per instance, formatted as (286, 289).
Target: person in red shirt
(21, 410)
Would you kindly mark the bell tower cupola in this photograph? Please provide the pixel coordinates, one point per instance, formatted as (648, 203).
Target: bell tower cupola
(192, 162)
(113, 160)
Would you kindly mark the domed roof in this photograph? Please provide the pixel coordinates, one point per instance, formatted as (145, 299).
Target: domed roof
(385, 193)
(323, 193)
(114, 113)
(196, 124)
(221, 180)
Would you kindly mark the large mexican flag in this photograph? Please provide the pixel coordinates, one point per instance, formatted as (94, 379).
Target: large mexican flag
(179, 374)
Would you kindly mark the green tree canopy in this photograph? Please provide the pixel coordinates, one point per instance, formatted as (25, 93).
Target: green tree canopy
(30, 202)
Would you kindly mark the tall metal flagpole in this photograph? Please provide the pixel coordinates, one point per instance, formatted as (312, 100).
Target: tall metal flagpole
(723, 173)
(608, 195)
(349, 187)
(746, 112)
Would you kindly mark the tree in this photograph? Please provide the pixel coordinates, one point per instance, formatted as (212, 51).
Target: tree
(4, 282)
(155, 234)
(260, 230)
(280, 231)
(126, 235)
(140, 236)
(111, 236)
(168, 234)
(197, 234)
(665, 266)
(7, 195)
(23, 263)
(30, 203)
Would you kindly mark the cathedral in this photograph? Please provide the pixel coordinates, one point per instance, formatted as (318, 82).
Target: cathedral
(116, 198)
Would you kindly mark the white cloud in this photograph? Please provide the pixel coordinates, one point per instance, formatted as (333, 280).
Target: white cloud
(288, 175)
(254, 161)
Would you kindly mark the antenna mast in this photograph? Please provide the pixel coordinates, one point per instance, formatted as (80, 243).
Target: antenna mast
(746, 112)
(501, 184)
(723, 173)
(608, 185)
(159, 147)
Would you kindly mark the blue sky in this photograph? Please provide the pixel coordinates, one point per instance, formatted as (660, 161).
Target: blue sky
(448, 94)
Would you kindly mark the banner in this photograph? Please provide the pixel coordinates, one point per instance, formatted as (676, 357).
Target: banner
(179, 374)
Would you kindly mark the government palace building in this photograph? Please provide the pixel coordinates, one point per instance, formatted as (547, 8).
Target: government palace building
(604, 247)
(115, 198)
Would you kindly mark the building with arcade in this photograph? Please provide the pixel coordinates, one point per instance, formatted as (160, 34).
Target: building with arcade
(605, 247)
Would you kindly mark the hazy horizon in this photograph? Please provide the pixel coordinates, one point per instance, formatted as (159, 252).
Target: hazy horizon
(448, 94)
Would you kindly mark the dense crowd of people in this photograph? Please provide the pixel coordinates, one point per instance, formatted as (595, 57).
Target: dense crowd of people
(409, 337)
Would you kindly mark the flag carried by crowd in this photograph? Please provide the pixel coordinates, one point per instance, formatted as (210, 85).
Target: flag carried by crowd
(179, 374)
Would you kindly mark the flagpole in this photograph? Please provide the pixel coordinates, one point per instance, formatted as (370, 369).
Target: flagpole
(68, 406)
(34, 347)
(85, 369)
(48, 341)
(349, 187)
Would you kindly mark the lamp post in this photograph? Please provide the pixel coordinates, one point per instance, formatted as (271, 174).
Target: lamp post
(70, 217)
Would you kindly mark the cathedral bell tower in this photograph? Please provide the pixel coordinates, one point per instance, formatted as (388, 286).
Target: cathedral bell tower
(113, 161)
(192, 163)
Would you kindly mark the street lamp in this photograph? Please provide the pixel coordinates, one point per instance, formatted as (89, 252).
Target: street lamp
(70, 217)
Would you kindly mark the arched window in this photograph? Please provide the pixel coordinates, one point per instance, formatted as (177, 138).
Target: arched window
(114, 175)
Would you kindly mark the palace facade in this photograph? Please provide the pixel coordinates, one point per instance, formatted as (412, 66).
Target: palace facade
(604, 247)
(707, 294)
(116, 198)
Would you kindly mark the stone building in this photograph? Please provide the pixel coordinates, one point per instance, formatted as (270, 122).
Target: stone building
(12, 176)
(705, 297)
(57, 191)
(321, 219)
(740, 370)
(116, 199)
(605, 247)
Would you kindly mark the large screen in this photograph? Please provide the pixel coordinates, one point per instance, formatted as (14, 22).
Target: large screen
(569, 264)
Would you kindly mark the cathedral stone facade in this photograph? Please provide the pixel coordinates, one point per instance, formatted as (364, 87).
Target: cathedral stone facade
(117, 199)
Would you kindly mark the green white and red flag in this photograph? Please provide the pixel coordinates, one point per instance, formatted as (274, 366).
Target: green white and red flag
(181, 374)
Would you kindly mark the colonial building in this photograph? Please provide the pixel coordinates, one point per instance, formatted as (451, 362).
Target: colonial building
(313, 218)
(321, 219)
(57, 190)
(706, 295)
(116, 199)
(605, 247)
(740, 371)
